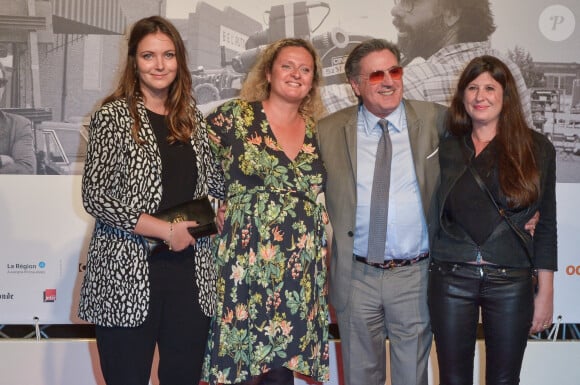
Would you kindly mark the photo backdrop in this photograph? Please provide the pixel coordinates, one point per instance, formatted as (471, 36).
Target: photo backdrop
(63, 56)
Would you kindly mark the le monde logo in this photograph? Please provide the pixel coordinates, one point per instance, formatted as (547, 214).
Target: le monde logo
(7, 296)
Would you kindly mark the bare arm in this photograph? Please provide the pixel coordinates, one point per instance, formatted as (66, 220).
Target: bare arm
(543, 302)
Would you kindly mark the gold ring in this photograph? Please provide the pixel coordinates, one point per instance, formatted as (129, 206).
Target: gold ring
(545, 326)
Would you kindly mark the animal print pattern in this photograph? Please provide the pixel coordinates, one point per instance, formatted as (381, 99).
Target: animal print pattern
(121, 180)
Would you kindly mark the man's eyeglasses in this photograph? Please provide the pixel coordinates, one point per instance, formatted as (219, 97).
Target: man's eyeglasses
(3, 82)
(375, 77)
(407, 5)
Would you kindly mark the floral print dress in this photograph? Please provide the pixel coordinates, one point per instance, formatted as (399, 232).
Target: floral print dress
(270, 256)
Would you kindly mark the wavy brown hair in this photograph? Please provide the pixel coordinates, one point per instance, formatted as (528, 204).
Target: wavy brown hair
(475, 19)
(518, 171)
(180, 104)
(257, 88)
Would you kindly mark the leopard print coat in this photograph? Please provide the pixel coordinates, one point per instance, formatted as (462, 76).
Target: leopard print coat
(121, 180)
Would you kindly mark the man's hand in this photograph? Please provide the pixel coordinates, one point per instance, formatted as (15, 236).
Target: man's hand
(6, 160)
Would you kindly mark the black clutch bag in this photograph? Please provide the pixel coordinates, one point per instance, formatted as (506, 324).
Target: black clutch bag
(199, 210)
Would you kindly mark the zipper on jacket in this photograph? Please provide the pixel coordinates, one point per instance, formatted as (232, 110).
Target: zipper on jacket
(478, 257)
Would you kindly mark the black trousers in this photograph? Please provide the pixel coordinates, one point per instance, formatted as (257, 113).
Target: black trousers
(505, 296)
(175, 324)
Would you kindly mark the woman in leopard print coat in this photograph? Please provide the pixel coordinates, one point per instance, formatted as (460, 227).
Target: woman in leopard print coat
(148, 150)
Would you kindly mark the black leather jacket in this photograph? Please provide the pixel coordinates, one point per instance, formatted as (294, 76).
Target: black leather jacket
(503, 247)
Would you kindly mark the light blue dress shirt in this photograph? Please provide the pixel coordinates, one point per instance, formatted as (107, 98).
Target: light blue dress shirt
(407, 235)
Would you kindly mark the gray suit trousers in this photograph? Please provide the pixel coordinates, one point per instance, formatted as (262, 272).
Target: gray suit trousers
(386, 304)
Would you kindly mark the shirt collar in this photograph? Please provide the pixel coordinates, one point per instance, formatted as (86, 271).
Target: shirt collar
(455, 49)
(396, 118)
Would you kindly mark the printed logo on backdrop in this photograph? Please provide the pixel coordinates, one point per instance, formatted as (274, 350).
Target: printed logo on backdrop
(336, 66)
(557, 23)
(573, 271)
(6, 296)
(49, 295)
(26, 268)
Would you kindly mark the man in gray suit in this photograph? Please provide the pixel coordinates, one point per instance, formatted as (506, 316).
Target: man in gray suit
(387, 299)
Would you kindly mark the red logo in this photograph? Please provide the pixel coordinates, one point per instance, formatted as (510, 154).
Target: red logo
(49, 295)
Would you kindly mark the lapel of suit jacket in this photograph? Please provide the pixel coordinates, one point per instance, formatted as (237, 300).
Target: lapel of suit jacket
(414, 126)
(350, 131)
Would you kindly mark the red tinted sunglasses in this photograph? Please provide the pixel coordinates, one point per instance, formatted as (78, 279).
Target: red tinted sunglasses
(395, 73)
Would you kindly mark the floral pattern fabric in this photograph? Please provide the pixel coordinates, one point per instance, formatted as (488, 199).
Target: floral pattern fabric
(270, 257)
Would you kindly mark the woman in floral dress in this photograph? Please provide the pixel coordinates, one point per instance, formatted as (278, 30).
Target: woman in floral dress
(272, 314)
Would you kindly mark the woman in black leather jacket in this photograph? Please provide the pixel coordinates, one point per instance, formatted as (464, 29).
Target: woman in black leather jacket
(479, 262)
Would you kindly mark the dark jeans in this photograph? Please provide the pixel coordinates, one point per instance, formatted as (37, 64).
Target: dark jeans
(505, 296)
(175, 323)
(277, 376)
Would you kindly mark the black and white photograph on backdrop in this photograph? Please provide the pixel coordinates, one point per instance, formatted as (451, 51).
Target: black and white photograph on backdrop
(59, 59)
(57, 83)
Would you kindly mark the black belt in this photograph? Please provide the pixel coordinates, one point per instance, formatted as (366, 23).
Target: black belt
(392, 263)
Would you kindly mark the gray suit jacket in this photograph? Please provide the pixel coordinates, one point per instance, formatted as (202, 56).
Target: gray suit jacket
(337, 140)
